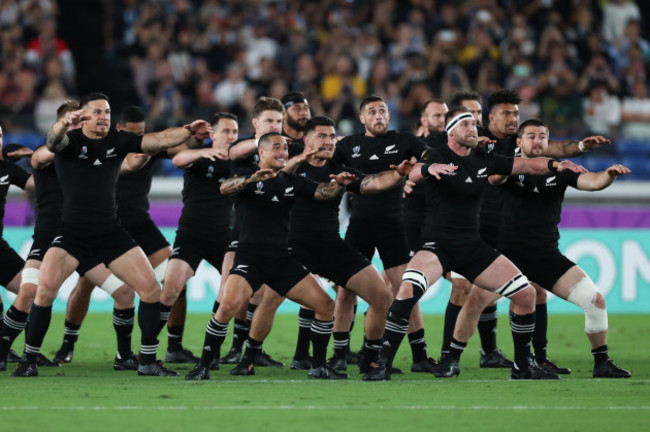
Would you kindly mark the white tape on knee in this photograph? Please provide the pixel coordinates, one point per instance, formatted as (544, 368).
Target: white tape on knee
(584, 295)
(416, 278)
(111, 284)
(454, 275)
(513, 286)
(30, 276)
(160, 269)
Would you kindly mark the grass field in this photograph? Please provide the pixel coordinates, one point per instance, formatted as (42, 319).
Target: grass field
(88, 395)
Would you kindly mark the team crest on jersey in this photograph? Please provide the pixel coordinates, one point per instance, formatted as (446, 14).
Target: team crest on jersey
(303, 174)
(84, 153)
(481, 173)
(4, 180)
(259, 190)
(391, 149)
(517, 151)
(490, 147)
(453, 173)
(551, 181)
(288, 191)
(110, 153)
(210, 172)
(520, 183)
(355, 151)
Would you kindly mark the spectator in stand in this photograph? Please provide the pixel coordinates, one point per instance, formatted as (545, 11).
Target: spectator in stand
(597, 71)
(635, 113)
(47, 44)
(602, 111)
(228, 91)
(616, 14)
(636, 69)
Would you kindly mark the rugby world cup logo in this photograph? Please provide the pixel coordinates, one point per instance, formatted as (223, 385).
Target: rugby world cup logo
(520, 183)
(355, 151)
(210, 172)
(259, 190)
(84, 151)
(490, 147)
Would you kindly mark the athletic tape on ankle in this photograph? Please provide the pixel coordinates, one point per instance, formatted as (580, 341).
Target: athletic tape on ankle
(584, 295)
(160, 269)
(111, 284)
(30, 276)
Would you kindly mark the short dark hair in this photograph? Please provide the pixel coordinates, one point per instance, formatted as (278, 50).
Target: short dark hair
(264, 139)
(459, 97)
(316, 121)
(131, 114)
(530, 123)
(292, 98)
(67, 106)
(91, 97)
(370, 99)
(503, 96)
(429, 102)
(267, 104)
(222, 115)
(454, 111)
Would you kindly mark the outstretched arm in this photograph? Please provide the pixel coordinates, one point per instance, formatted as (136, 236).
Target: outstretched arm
(421, 171)
(42, 157)
(234, 185)
(374, 183)
(243, 149)
(536, 166)
(296, 161)
(601, 180)
(134, 162)
(572, 148)
(186, 158)
(154, 142)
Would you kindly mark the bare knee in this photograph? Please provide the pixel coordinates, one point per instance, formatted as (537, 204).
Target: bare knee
(325, 310)
(227, 310)
(124, 297)
(170, 293)
(382, 299)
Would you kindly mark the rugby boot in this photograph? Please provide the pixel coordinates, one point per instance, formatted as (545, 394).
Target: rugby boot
(379, 373)
(233, 356)
(610, 370)
(325, 372)
(532, 372)
(352, 357)
(13, 357)
(64, 354)
(264, 360)
(337, 363)
(25, 368)
(494, 359)
(214, 364)
(130, 363)
(550, 366)
(46, 362)
(181, 356)
(367, 363)
(156, 369)
(447, 367)
(426, 365)
(198, 373)
(246, 367)
(304, 364)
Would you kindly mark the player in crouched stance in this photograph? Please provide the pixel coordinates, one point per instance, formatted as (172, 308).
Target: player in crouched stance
(264, 203)
(451, 241)
(529, 238)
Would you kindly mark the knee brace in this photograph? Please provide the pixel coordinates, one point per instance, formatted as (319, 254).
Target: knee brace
(30, 276)
(160, 269)
(513, 286)
(418, 280)
(584, 296)
(111, 284)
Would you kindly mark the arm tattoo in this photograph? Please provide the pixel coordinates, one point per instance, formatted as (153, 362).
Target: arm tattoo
(233, 185)
(326, 191)
(367, 180)
(56, 143)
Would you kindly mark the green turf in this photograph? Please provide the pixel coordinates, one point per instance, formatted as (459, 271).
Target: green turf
(88, 395)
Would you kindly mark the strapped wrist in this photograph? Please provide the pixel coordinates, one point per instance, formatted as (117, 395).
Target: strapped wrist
(425, 170)
(553, 165)
(582, 147)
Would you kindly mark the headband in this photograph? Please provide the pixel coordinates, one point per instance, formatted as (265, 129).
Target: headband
(295, 100)
(456, 121)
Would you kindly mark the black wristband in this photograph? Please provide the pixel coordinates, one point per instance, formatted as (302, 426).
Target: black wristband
(551, 167)
(425, 170)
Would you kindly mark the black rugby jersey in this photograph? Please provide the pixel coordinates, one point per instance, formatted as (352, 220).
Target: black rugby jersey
(48, 198)
(133, 189)
(205, 209)
(492, 203)
(263, 210)
(10, 174)
(414, 202)
(532, 209)
(372, 155)
(87, 170)
(453, 201)
(320, 217)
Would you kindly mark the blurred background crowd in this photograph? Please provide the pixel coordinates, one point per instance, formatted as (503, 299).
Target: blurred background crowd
(581, 65)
